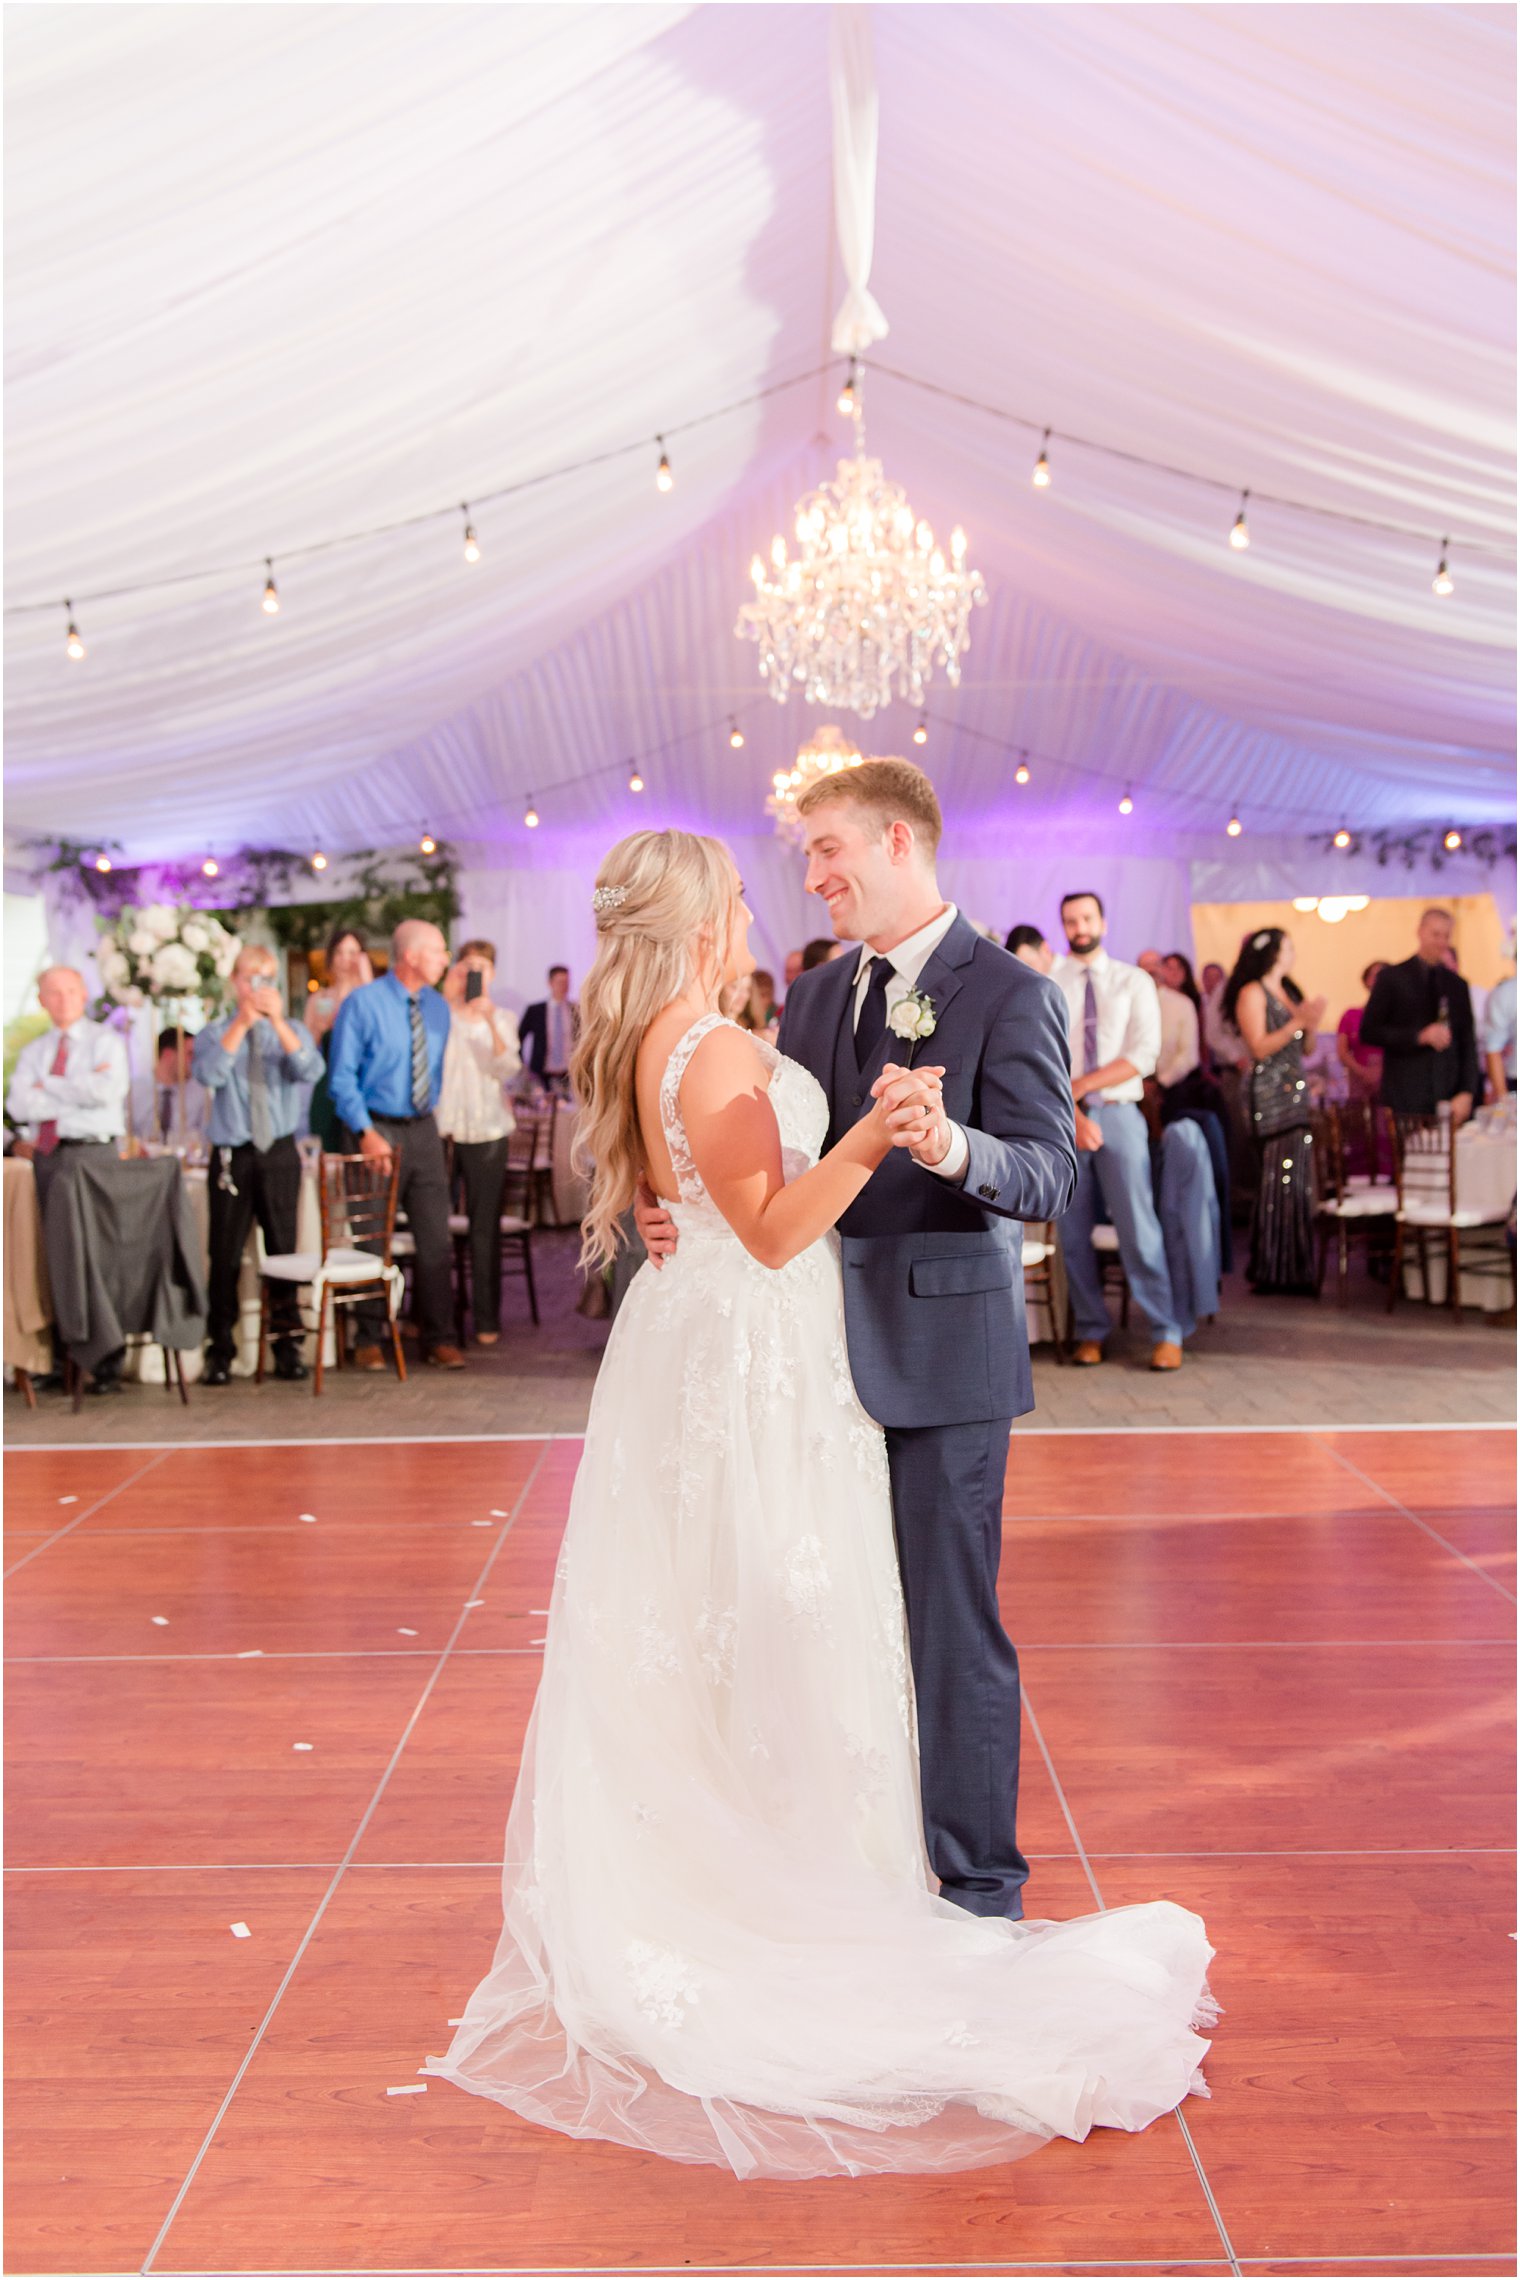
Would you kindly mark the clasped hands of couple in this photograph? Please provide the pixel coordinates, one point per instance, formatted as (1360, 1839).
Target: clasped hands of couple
(909, 1113)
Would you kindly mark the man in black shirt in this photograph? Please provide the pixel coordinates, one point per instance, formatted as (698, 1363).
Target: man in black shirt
(1420, 1016)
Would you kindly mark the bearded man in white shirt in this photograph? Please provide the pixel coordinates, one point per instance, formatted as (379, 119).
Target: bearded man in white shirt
(1115, 1017)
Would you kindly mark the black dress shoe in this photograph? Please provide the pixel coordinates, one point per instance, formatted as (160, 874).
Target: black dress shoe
(216, 1373)
(288, 1365)
(105, 1385)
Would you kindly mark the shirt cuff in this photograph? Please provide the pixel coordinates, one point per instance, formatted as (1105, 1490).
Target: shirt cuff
(952, 1164)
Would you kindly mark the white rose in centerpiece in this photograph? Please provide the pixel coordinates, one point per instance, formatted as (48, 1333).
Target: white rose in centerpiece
(112, 963)
(161, 920)
(141, 943)
(227, 957)
(194, 935)
(174, 968)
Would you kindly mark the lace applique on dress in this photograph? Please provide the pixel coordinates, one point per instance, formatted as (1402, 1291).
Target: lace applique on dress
(662, 1981)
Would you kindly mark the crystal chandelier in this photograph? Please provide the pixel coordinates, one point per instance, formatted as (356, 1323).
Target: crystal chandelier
(824, 754)
(869, 600)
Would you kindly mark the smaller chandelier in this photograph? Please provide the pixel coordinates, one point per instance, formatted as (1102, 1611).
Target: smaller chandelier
(824, 754)
(868, 601)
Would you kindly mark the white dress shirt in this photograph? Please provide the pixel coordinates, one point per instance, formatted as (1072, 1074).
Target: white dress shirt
(89, 1100)
(908, 962)
(1179, 1055)
(1129, 1018)
(559, 1035)
(1227, 1047)
(471, 1103)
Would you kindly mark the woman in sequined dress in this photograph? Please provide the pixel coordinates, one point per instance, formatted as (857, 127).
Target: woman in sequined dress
(1276, 1021)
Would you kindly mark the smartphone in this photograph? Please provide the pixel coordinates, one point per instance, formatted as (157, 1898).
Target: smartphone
(474, 983)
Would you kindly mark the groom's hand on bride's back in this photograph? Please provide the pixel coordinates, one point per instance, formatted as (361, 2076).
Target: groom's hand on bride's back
(657, 1230)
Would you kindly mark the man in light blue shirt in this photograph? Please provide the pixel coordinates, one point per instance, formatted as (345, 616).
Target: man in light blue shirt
(384, 1071)
(1499, 1038)
(69, 1092)
(254, 1064)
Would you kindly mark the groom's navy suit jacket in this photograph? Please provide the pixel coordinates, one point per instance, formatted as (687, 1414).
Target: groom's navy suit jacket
(933, 1274)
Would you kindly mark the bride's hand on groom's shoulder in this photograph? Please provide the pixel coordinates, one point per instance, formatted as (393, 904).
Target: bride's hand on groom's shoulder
(657, 1230)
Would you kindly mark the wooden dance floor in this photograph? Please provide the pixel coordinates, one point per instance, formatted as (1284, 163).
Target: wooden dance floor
(281, 1690)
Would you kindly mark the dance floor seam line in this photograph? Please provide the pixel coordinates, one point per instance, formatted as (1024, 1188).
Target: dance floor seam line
(1083, 1431)
(1435, 1533)
(354, 1842)
(56, 1535)
(1027, 1647)
(1087, 1869)
(356, 1867)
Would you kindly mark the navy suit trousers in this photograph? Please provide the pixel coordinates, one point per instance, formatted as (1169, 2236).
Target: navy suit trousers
(947, 1504)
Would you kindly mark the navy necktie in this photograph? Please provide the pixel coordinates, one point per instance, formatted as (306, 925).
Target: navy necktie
(872, 1024)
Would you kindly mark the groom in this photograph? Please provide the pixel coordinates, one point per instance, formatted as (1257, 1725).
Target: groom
(934, 1299)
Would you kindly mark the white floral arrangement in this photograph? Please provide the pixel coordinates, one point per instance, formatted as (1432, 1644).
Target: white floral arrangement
(913, 1017)
(164, 952)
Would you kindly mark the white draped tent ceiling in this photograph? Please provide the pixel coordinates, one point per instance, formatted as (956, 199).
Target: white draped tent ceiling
(281, 275)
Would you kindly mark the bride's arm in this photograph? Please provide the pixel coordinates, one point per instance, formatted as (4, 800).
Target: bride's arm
(736, 1147)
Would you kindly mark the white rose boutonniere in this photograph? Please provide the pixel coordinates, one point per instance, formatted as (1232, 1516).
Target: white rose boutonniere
(913, 1018)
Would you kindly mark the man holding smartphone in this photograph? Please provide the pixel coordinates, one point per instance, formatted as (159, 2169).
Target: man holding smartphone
(482, 1055)
(253, 1063)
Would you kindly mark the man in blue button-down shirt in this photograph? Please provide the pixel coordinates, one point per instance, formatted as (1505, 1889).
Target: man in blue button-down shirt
(253, 1064)
(384, 1071)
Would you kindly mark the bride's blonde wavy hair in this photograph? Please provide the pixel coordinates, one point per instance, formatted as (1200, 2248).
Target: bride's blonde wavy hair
(665, 900)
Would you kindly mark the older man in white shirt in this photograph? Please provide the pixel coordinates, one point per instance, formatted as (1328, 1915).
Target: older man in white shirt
(69, 1091)
(1115, 1018)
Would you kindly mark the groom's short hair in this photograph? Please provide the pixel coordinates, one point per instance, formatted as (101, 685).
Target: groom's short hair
(890, 791)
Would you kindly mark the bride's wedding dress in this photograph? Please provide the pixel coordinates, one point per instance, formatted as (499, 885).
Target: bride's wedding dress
(722, 1941)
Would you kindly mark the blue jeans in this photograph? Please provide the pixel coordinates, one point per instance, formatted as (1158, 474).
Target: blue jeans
(1118, 1176)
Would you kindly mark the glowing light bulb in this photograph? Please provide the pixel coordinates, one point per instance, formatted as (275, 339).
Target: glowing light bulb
(1240, 536)
(1306, 903)
(921, 733)
(1452, 842)
(958, 545)
(72, 642)
(1126, 805)
(530, 814)
(1234, 827)
(319, 861)
(102, 863)
(735, 734)
(1343, 838)
(211, 868)
(427, 844)
(1021, 772)
(664, 480)
(471, 542)
(757, 570)
(635, 781)
(271, 602)
(1443, 582)
(847, 392)
(1041, 476)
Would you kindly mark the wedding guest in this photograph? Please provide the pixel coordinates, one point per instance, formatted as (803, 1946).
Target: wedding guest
(483, 1055)
(1115, 1022)
(1499, 1038)
(792, 968)
(386, 1066)
(1419, 1014)
(1030, 947)
(348, 968)
(1194, 1096)
(170, 1104)
(1275, 1020)
(1362, 1063)
(818, 952)
(254, 1063)
(550, 1027)
(733, 999)
(69, 1091)
(758, 1011)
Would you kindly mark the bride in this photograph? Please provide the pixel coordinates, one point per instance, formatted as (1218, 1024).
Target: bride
(722, 1939)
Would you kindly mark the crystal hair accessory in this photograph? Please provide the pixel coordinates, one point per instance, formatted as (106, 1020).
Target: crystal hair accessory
(609, 898)
(1260, 941)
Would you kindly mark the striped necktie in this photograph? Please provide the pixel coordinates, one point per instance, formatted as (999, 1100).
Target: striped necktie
(422, 1076)
(1089, 1028)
